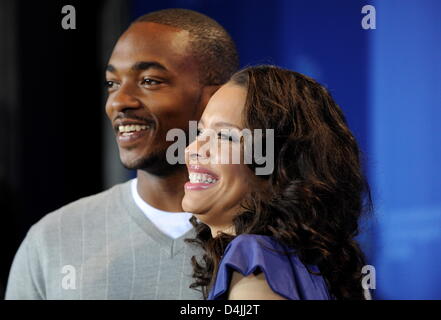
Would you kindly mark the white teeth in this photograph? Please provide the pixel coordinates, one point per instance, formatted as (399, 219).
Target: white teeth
(201, 178)
(132, 128)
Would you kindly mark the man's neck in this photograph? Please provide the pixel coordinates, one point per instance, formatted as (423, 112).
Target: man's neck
(163, 193)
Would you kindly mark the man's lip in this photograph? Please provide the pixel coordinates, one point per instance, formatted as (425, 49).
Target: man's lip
(133, 138)
(199, 169)
(128, 122)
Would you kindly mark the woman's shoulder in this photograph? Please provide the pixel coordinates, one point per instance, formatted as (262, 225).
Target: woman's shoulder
(286, 275)
(253, 238)
(252, 250)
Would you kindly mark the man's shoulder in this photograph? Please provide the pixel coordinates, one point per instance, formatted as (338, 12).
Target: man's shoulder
(90, 207)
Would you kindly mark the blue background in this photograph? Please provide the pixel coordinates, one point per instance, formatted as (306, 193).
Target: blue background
(388, 82)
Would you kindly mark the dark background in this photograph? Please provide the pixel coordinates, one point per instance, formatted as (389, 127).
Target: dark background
(56, 145)
(51, 112)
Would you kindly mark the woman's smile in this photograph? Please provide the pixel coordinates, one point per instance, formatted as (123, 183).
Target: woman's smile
(200, 178)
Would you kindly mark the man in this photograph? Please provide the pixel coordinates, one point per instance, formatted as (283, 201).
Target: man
(128, 242)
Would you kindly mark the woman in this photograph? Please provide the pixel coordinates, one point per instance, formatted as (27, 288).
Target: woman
(288, 234)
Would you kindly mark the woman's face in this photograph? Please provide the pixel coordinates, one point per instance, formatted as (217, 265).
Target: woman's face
(217, 183)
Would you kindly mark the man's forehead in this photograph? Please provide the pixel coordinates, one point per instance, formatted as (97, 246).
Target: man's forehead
(147, 41)
(151, 36)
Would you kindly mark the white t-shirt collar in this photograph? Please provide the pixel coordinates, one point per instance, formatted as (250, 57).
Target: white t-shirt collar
(173, 224)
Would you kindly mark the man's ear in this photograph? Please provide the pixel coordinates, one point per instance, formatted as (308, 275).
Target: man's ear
(207, 92)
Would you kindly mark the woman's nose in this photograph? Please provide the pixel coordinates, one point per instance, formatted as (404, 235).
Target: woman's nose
(198, 149)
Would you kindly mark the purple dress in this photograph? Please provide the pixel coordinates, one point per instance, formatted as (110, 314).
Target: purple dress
(286, 275)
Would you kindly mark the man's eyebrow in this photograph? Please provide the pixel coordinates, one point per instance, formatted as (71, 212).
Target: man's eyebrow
(140, 66)
(145, 65)
(110, 68)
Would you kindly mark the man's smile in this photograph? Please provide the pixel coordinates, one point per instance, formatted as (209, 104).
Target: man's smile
(130, 132)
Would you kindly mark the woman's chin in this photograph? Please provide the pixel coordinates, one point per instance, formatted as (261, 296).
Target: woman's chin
(189, 205)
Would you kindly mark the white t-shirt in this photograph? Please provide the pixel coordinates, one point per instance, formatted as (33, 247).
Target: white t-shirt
(173, 224)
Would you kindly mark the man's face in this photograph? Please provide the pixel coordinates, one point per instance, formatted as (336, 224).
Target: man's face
(153, 86)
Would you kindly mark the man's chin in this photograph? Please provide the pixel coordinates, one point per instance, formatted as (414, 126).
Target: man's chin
(155, 164)
(137, 163)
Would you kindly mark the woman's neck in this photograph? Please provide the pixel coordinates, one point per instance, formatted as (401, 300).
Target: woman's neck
(215, 230)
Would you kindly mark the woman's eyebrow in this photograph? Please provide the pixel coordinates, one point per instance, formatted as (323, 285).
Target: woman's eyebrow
(220, 124)
(226, 124)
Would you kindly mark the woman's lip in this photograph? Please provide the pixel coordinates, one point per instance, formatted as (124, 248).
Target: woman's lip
(197, 168)
(198, 186)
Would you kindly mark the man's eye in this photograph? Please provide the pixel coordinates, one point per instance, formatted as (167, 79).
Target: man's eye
(110, 84)
(150, 82)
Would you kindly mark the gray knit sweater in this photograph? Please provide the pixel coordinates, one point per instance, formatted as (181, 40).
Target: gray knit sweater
(101, 247)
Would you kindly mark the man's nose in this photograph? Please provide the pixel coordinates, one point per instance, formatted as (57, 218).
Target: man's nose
(124, 99)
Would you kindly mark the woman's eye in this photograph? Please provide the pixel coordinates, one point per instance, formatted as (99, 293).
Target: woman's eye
(150, 82)
(224, 136)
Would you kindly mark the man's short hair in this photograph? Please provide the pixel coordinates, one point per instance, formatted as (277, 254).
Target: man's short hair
(210, 43)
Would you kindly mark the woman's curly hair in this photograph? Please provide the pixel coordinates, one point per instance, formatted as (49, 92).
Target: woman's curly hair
(317, 191)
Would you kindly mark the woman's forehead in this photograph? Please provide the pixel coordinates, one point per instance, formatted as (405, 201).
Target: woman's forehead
(226, 105)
